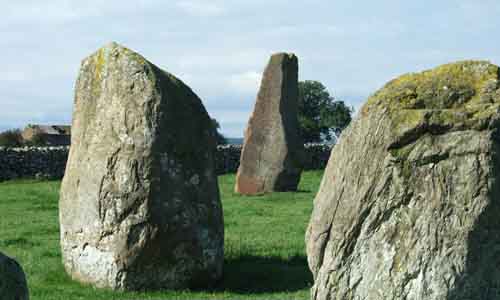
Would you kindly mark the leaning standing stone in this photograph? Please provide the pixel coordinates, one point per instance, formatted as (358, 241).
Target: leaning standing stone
(409, 204)
(272, 155)
(13, 284)
(139, 202)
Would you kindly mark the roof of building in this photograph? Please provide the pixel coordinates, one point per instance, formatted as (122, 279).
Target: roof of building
(51, 129)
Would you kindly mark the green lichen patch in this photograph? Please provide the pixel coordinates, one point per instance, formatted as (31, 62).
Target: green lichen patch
(449, 86)
(457, 96)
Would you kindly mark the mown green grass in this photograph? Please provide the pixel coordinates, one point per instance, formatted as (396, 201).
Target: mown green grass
(264, 244)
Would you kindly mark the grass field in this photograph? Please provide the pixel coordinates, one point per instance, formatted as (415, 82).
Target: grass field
(264, 245)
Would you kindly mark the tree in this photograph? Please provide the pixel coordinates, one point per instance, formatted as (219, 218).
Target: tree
(320, 115)
(221, 140)
(11, 138)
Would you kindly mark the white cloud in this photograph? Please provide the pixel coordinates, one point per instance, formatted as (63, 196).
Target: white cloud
(201, 8)
(247, 82)
(232, 57)
(42, 13)
(233, 122)
(231, 116)
(13, 76)
(55, 11)
(37, 11)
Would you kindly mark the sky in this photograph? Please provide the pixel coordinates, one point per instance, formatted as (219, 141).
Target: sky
(220, 47)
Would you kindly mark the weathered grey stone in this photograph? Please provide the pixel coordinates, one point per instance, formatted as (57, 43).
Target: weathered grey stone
(409, 204)
(13, 284)
(272, 155)
(139, 202)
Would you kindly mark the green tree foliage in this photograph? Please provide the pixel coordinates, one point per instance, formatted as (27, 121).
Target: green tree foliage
(221, 140)
(319, 113)
(11, 138)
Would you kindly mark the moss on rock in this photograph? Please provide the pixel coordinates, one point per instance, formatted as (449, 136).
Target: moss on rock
(456, 96)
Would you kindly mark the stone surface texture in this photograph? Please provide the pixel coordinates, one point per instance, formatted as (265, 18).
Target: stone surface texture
(139, 202)
(272, 156)
(409, 204)
(13, 284)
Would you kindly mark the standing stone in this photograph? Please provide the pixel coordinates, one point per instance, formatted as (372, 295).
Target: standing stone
(409, 204)
(13, 284)
(272, 155)
(139, 202)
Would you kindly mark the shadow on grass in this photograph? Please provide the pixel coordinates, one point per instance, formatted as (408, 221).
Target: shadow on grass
(255, 274)
(303, 191)
(19, 242)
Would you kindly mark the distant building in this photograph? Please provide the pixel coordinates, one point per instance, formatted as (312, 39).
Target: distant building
(52, 135)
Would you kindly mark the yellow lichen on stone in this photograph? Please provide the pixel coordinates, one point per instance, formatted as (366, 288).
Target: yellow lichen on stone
(458, 94)
(439, 88)
(99, 61)
(407, 119)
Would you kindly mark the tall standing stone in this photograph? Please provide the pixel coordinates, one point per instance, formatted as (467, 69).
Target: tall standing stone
(139, 202)
(13, 284)
(409, 204)
(272, 155)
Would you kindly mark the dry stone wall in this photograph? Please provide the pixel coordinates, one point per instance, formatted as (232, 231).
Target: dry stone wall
(49, 162)
(33, 162)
